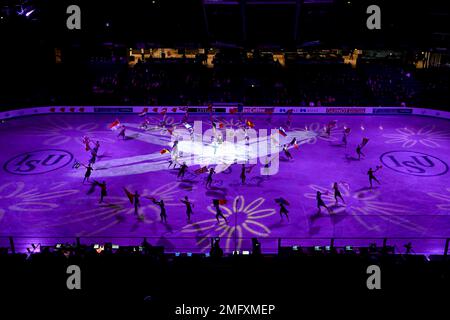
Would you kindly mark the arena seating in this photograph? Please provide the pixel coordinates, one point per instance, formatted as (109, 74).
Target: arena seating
(251, 82)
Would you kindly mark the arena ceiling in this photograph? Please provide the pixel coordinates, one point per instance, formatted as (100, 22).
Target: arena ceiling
(231, 23)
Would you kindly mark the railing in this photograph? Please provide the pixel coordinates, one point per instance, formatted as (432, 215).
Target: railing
(422, 245)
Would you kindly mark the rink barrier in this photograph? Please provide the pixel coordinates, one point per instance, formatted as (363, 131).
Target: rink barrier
(269, 245)
(225, 109)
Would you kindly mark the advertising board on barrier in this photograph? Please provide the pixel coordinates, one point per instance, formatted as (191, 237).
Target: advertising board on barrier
(392, 111)
(298, 110)
(207, 110)
(259, 109)
(231, 110)
(431, 113)
(345, 110)
(163, 109)
(67, 109)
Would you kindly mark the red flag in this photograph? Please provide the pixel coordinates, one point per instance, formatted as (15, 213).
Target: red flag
(219, 202)
(163, 151)
(282, 201)
(331, 124)
(129, 195)
(233, 110)
(144, 112)
(364, 142)
(249, 124)
(221, 125)
(114, 125)
(282, 132)
(201, 170)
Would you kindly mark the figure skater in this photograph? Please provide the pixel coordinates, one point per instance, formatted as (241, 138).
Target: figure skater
(173, 159)
(93, 157)
(344, 139)
(89, 169)
(359, 152)
(328, 130)
(219, 139)
(293, 141)
(86, 142)
(162, 214)
(286, 152)
(372, 177)
(175, 146)
(96, 147)
(246, 136)
(136, 202)
(215, 146)
(174, 151)
(243, 172)
(283, 210)
(266, 169)
(209, 179)
(103, 192)
(321, 203)
(337, 193)
(145, 124)
(219, 213)
(122, 132)
(182, 171)
(189, 205)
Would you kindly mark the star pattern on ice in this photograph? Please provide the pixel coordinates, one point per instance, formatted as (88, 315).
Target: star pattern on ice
(427, 136)
(243, 219)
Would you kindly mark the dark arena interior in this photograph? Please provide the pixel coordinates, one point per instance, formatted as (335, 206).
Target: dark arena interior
(225, 159)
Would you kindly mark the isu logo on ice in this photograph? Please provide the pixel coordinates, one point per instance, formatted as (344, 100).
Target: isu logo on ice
(39, 161)
(414, 163)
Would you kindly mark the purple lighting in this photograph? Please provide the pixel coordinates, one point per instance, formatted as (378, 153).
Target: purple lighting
(42, 194)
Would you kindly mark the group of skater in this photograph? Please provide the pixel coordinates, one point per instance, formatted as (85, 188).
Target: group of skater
(284, 212)
(135, 198)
